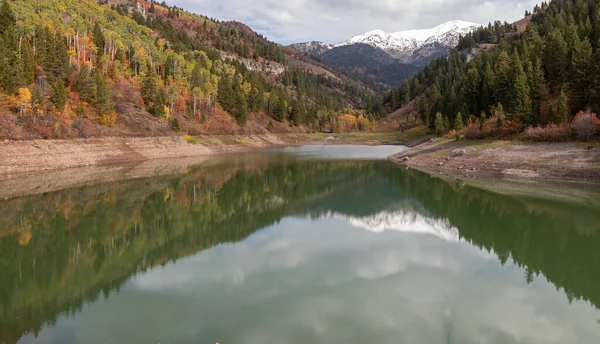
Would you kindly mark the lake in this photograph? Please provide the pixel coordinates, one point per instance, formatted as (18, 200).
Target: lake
(329, 244)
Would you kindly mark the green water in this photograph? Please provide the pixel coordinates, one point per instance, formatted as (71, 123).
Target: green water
(298, 245)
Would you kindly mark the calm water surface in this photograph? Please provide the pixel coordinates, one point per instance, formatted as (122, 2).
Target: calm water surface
(297, 245)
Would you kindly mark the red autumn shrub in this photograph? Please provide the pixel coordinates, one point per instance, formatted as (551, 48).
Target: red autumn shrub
(552, 132)
(473, 131)
(510, 128)
(586, 124)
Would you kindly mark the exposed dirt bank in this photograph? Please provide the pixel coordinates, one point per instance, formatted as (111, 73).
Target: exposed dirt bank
(38, 166)
(31, 156)
(571, 162)
(17, 157)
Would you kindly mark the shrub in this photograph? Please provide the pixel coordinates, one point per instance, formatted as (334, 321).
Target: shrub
(176, 125)
(107, 119)
(552, 132)
(190, 139)
(586, 124)
(510, 128)
(474, 131)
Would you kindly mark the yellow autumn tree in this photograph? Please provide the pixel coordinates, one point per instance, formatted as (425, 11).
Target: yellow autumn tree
(21, 101)
(363, 123)
(347, 122)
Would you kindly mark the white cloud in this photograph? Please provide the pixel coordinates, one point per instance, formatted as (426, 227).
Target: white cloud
(333, 21)
(324, 280)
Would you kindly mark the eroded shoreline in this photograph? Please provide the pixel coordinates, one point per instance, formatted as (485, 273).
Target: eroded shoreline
(522, 162)
(40, 166)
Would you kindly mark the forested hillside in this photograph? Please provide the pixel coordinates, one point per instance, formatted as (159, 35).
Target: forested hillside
(371, 65)
(539, 75)
(71, 68)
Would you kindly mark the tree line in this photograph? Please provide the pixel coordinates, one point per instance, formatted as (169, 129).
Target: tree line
(66, 56)
(545, 74)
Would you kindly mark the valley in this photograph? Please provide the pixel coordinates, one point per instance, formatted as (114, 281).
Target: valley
(183, 172)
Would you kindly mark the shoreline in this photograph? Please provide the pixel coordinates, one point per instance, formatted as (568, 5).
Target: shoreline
(35, 156)
(480, 162)
(40, 166)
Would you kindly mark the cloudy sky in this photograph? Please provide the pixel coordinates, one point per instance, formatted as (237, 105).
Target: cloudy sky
(323, 281)
(332, 21)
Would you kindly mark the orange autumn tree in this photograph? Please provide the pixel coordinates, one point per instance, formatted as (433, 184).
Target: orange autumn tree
(20, 101)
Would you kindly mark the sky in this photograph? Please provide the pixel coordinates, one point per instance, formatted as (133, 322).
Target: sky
(325, 281)
(333, 21)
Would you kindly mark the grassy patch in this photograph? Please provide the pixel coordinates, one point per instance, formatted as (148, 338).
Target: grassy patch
(396, 135)
(190, 139)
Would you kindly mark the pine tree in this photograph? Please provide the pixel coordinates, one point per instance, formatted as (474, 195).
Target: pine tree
(482, 120)
(102, 99)
(7, 17)
(98, 39)
(458, 122)
(280, 109)
(153, 95)
(9, 82)
(26, 65)
(555, 57)
(84, 86)
(37, 100)
(446, 123)
(488, 87)
(520, 91)
(255, 99)
(502, 78)
(298, 113)
(472, 90)
(58, 95)
(583, 75)
(439, 124)
(241, 107)
(562, 111)
(405, 93)
(537, 86)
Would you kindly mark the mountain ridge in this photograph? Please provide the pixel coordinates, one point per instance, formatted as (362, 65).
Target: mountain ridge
(408, 51)
(402, 43)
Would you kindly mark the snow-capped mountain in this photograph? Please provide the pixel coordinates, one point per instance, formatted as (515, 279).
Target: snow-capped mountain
(403, 44)
(313, 48)
(389, 58)
(404, 220)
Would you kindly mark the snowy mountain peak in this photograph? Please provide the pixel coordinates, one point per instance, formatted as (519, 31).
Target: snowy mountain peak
(406, 42)
(312, 48)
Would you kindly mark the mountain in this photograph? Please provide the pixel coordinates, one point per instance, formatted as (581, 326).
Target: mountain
(313, 48)
(412, 46)
(374, 66)
(390, 57)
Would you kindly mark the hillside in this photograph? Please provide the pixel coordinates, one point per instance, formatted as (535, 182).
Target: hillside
(136, 68)
(539, 71)
(370, 64)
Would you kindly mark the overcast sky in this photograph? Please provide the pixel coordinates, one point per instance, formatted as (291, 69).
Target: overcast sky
(332, 21)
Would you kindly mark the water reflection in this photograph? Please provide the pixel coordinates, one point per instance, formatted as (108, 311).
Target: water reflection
(349, 251)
